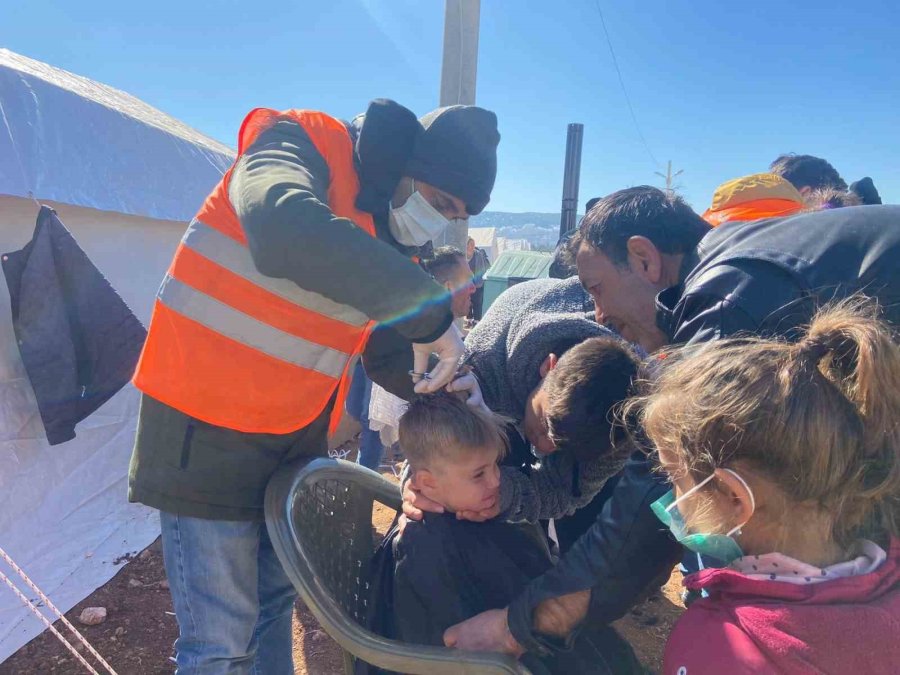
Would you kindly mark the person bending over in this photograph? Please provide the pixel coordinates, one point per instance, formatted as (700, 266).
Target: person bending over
(521, 368)
(578, 395)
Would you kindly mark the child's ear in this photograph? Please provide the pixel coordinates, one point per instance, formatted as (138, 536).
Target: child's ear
(548, 365)
(739, 496)
(424, 479)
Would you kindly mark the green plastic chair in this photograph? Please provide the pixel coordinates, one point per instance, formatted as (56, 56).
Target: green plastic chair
(319, 517)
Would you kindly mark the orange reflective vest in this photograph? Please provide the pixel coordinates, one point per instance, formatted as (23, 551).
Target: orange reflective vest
(237, 349)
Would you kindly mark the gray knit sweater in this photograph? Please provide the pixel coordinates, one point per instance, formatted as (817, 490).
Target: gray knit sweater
(524, 325)
(506, 349)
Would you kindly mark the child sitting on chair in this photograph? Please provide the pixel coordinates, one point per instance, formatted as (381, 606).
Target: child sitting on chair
(447, 569)
(785, 465)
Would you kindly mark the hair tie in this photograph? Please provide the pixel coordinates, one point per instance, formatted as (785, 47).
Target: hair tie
(814, 350)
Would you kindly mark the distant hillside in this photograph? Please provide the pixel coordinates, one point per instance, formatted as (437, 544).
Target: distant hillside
(541, 229)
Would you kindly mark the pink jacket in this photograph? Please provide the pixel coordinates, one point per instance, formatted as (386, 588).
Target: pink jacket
(848, 625)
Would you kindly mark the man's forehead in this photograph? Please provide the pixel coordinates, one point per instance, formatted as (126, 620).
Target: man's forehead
(590, 261)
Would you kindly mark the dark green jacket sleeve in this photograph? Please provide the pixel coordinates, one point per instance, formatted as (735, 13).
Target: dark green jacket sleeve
(279, 189)
(388, 359)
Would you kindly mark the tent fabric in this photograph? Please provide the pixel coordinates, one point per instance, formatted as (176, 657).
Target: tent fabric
(69, 139)
(64, 514)
(486, 239)
(78, 340)
(125, 179)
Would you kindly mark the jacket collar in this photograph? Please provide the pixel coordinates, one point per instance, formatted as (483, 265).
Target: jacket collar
(736, 587)
(668, 299)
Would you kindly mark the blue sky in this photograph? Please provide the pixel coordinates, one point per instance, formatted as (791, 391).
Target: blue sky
(719, 88)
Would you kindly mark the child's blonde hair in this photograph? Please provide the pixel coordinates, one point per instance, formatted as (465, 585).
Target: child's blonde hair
(441, 426)
(819, 418)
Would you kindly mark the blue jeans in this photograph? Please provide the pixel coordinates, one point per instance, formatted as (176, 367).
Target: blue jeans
(358, 399)
(233, 601)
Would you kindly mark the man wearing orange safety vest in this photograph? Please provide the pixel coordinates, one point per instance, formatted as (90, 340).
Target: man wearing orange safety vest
(303, 246)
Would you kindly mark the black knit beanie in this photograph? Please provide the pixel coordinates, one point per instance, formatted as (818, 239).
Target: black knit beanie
(385, 144)
(457, 153)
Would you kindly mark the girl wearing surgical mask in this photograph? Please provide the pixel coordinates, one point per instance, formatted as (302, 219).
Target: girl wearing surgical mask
(784, 460)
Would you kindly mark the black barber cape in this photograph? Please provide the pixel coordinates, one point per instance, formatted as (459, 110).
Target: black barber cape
(443, 571)
(447, 570)
(78, 339)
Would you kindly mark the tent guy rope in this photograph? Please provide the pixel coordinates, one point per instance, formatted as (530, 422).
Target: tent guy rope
(48, 603)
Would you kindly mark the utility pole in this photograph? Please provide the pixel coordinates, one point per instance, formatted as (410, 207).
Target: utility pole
(460, 65)
(458, 76)
(571, 179)
(669, 177)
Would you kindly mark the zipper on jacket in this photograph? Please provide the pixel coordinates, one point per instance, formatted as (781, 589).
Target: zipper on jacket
(186, 446)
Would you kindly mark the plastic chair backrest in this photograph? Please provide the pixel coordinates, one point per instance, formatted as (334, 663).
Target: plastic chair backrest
(319, 517)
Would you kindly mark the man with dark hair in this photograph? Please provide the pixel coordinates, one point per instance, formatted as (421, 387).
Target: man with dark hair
(636, 230)
(765, 277)
(577, 400)
(807, 173)
(449, 268)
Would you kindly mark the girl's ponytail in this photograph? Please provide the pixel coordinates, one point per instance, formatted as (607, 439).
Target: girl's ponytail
(858, 354)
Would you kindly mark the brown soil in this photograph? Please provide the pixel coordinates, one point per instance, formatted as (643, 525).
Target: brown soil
(648, 624)
(138, 635)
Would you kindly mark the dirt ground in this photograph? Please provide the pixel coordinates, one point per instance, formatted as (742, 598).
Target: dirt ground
(138, 636)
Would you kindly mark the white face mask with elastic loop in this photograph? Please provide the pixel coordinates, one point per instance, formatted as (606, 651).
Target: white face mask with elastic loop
(416, 222)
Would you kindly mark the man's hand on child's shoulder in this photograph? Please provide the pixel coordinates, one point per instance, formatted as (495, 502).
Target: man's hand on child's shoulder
(415, 504)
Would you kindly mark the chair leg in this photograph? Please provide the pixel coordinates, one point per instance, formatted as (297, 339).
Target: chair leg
(348, 662)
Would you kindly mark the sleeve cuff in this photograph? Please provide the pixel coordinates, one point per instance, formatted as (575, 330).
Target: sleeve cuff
(519, 622)
(441, 329)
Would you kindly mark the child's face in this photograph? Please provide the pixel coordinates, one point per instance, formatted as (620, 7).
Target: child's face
(471, 482)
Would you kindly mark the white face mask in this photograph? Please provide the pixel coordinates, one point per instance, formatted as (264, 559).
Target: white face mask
(416, 222)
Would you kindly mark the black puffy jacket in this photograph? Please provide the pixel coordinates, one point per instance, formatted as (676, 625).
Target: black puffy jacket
(768, 277)
(78, 339)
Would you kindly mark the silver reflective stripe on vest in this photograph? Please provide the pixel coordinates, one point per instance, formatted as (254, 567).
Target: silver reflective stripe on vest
(236, 258)
(240, 327)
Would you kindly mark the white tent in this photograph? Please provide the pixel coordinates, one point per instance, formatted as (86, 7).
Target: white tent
(486, 239)
(124, 178)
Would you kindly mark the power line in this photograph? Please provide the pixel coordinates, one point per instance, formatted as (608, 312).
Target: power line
(637, 127)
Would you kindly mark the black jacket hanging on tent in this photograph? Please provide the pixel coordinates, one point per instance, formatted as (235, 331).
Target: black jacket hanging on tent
(78, 339)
